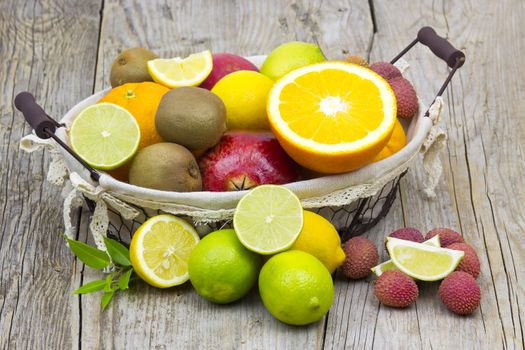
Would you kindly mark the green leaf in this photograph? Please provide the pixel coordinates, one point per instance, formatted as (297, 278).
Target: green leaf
(107, 286)
(90, 256)
(118, 252)
(93, 286)
(106, 298)
(123, 281)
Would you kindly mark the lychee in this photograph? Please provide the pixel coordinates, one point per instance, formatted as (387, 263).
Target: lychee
(447, 236)
(407, 103)
(394, 288)
(460, 293)
(385, 69)
(470, 262)
(361, 256)
(408, 234)
(357, 60)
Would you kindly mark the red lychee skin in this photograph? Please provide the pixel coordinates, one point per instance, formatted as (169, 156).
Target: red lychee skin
(394, 288)
(361, 255)
(470, 262)
(385, 69)
(408, 234)
(460, 293)
(447, 236)
(224, 64)
(406, 97)
(242, 160)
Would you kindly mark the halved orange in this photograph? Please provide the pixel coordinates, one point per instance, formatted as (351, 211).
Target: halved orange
(332, 117)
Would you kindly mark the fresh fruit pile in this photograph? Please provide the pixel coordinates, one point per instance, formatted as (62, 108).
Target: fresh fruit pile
(214, 122)
(441, 254)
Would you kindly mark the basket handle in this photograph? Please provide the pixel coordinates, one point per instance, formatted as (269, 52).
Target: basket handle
(45, 126)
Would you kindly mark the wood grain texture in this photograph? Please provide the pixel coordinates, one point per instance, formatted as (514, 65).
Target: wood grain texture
(48, 48)
(62, 51)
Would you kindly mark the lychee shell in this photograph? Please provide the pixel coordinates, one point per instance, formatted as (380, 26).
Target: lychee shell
(407, 104)
(447, 236)
(408, 234)
(470, 262)
(361, 255)
(460, 293)
(394, 288)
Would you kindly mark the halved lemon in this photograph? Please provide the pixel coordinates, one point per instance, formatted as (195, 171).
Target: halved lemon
(389, 264)
(422, 261)
(178, 71)
(160, 250)
(105, 135)
(332, 117)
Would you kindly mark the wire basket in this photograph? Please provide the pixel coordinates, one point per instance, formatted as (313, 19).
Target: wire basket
(352, 218)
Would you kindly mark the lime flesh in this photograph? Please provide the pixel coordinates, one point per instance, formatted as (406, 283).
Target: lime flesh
(421, 261)
(268, 219)
(105, 135)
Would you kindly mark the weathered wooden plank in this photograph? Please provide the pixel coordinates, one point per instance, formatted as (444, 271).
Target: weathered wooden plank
(48, 48)
(482, 188)
(178, 318)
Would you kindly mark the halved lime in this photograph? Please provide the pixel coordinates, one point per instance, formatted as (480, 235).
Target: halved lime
(389, 264)
(105, 135)
(268, 219)
(422, 261)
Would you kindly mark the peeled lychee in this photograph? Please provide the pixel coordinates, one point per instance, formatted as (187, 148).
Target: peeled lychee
(447, 236)
(407, 103)
(361, 256)
(385, 69)
(460, 293)
(470, 261)
(394, 288)
(357, 60)
(408, 234)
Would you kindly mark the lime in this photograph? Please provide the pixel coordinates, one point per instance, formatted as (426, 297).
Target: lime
(105, 135)
(160, 250)
(321, 239)
(290, 56)
(244, 94)
(268, 219)
(178, 72)
(296, 288)
(221, 269)
(389, 264)
(422, 261)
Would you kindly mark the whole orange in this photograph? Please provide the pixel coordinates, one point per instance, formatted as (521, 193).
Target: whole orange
(142, 101)
(397, 141)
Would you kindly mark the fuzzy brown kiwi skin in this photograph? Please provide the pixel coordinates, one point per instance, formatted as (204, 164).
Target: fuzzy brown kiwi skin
(130, 66)
(166, 166)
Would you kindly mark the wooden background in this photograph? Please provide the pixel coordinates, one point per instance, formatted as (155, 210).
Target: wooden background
(62, 50)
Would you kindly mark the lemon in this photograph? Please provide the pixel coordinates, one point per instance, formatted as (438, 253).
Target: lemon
(321, 239)
(221, 269)
(105, 135)
(178, 72)
(160, 250)
(290, 56)
(422, 261)
(389, 264)
(244, 94)
(268, 219)
(296, 287)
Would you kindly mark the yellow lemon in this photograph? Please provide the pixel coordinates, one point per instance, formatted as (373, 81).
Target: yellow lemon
(320, 239)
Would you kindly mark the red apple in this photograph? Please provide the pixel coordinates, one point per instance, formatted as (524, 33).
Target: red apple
(224, 64)
(242, 160)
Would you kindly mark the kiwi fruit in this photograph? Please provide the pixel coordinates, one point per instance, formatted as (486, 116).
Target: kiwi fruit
(131, 66)
(165, 166)
(191, 116)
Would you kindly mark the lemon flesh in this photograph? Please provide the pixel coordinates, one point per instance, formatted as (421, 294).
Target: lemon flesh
(268, 219)
(105, 135)
(160, 250)
(421, 261)
(178, 72)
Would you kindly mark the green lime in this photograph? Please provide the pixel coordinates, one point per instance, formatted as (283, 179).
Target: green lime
(290, 56)
(422, 261)
(221, 269)
(296, 287)
(105, 135)
(268, 219)
(389, 264)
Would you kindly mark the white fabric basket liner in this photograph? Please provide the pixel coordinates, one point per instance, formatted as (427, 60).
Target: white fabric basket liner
(202, 207)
